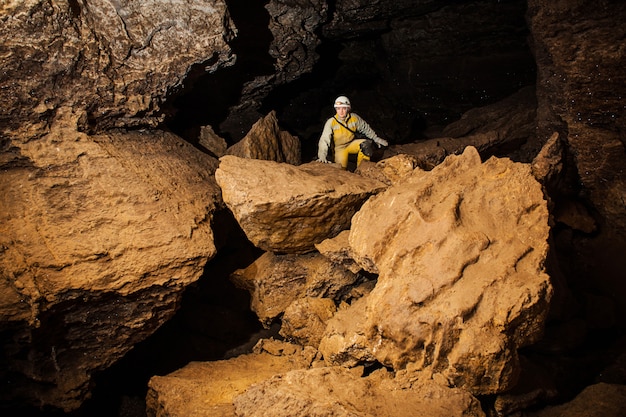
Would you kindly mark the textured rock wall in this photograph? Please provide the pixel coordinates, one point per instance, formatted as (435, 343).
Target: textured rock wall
(580, 49)
(113, 60)
(99, 234)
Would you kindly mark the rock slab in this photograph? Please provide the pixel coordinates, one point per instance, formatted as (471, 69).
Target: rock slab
(460, 254)
(286, 208)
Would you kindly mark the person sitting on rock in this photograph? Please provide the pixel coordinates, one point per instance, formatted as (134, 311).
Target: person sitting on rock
(343, 129)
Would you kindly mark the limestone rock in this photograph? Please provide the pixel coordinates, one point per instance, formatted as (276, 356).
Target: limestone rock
(295, 30)
(337, 249)
(548, 164)
(112, 61)
(207, 389)
(100, 235)
(275, 281)
(212, 142)
(338, 391)
(460, 253)
(345, 341)
(284, 208)
(305, 320)
(266, 141)
(389, 170)
(580, 52)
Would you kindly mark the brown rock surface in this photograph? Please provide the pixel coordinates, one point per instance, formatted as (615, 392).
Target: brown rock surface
(99, 235)
(208, 388)
(276, 281)
(338, 391)
(304, 320)
(284, 208)
(266, 141)
(113, 62)
(338, 250)
(460, 253)
(580, 49)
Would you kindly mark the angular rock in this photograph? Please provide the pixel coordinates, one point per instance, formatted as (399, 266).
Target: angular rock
(305, 320)
(338, 391)
(284, 208)
(276, 281)
(207, 389)
(266, 141)
(337, 249)
(344, 342)
(389, 170)
(212, 142)
(112, 62)
(100, 235)
(460, 252)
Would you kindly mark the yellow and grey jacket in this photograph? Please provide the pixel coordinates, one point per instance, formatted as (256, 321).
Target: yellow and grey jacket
(342, 132)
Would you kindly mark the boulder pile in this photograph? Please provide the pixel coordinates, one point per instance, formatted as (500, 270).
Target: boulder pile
(408, 295)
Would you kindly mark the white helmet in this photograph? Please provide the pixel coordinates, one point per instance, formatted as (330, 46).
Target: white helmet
(342, 101)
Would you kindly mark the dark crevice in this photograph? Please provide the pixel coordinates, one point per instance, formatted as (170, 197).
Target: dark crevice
(205, 98)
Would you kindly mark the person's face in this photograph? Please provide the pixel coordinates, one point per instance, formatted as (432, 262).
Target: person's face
(341, 111)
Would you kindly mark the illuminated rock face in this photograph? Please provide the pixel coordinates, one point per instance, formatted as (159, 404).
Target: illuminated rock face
(286, 208)
(112, 62)
(99, 241)
(460, 253)
(102, 230)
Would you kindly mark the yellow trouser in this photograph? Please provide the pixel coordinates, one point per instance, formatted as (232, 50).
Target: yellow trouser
(342, 152)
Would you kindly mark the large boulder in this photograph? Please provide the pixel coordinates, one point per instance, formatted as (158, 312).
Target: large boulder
(207, 389)
(284, 208)
(276, 281)
(99, 236)
(338, 391)
(460, 254)
(113, 62)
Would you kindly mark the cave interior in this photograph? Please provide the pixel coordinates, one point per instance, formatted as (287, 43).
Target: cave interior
(408, 90)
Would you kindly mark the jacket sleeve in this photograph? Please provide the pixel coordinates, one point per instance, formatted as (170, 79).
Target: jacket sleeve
(325, 140)
(363, 128)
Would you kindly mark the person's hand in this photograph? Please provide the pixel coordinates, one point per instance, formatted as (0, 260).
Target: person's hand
(382, 142)
(323, 160)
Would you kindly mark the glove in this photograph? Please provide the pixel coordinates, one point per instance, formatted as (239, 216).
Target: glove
(323, 160)
(382, 142)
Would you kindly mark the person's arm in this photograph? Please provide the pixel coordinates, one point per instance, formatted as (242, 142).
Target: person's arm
(365, 129)
(324, 143)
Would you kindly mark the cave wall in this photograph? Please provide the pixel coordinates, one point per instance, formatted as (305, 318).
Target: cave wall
(113, 60)
(72, 70)
(579, 48)
(100, 230)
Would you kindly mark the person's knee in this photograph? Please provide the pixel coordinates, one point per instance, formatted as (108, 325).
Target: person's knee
(367, 148)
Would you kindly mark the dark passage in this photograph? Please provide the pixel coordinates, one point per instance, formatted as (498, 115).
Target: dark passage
(205, 99)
